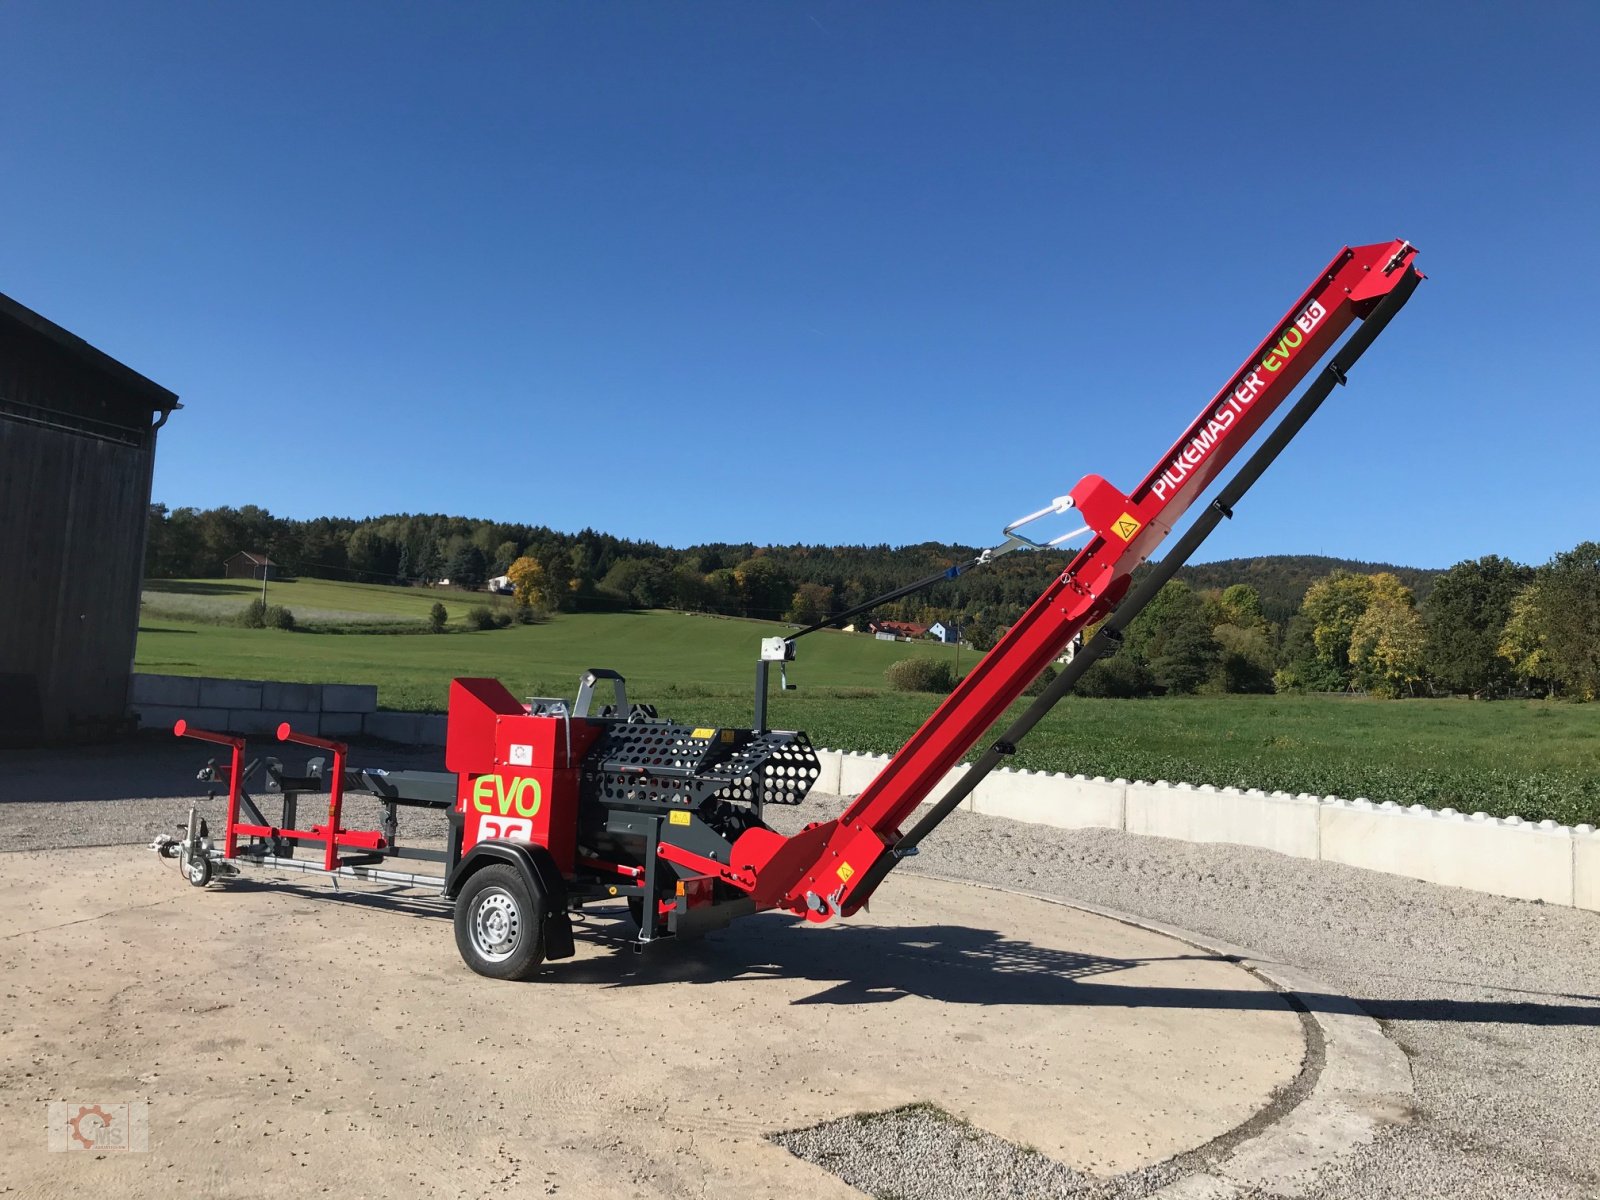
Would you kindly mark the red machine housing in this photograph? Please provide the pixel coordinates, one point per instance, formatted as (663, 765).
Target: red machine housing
(517, 773)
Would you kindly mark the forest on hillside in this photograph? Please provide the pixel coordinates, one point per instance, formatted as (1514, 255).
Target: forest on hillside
(1485, 627)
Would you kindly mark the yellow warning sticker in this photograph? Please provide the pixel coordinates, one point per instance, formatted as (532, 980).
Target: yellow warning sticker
(727, 735)
(705, 734)
(678, 818)
(845, 871)
(1125, 527)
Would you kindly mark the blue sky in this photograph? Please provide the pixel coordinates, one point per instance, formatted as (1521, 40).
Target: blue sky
(787, 272)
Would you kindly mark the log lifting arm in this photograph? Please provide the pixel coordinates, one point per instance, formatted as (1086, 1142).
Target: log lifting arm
(832, 867)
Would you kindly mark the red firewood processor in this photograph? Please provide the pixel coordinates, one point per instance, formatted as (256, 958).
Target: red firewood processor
(556, 804)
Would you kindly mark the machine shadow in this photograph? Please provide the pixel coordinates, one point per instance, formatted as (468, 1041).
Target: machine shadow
(952, 964)
(862, 964)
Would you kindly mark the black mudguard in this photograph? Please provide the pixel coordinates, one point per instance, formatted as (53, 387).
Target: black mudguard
(545, 883)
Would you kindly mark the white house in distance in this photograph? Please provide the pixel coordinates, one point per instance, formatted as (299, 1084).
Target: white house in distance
(500, 585)
(948, 634)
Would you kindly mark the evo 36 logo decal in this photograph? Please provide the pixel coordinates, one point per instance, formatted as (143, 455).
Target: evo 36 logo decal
(1278, 355)
(494, 794)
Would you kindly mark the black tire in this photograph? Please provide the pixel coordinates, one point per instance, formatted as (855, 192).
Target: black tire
(197, 871)
(499, 928)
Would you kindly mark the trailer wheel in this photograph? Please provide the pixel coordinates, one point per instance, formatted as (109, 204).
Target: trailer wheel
(498, 926)
(197, 871)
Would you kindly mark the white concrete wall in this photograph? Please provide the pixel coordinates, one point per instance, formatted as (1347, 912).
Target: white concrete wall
(1553, 863)
(256, 707)
(1510, 857)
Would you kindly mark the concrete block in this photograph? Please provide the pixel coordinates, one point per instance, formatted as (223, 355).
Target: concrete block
(1476, 852)
(349, 697)
(263, 723)
(397, 727)
(827, 783)
(1065, 801)
(172, 690)
(431, 729)
(161, 716)
(291, 697)
(339, 725)
(858, 770)
(230, 693)
(951, 778)
(1586, 871)
(1275, 821)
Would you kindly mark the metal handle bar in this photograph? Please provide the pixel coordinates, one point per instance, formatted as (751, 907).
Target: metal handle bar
(183, 729)
(287, 734)
(1015, 540)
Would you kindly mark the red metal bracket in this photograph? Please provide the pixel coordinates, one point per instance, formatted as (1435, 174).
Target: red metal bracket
(331, 833)
(236, 744)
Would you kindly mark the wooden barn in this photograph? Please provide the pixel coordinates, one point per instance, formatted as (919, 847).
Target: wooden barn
(77, 448)
(248, 564)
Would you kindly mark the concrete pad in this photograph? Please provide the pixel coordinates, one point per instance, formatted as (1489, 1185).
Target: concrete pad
(1275, 821)
(1524, 861)
(1065, 801)
(288, 1039)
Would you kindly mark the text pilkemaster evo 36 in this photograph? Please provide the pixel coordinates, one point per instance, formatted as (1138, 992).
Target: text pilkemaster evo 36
(557, 804)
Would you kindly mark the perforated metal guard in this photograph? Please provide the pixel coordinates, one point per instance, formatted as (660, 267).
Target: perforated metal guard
(660, 762)
(776, 768)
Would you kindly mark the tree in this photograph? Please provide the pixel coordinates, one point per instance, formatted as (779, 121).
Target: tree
(374, 557)
(686, 588)
(1554, 628)
(1173, 638)
(437, 617)
(428, 560)
(1388, 640)
(1301, 668)
(466, 567)
(764, 589)
(1245, 659)
(811, 603)
(528, 583)
(722, 591)
(1241, 606)
(1332, 607)
(1522, 643)
(1466, 615)
(504, 555)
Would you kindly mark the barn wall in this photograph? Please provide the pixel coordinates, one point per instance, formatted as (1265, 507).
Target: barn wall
(76, 455)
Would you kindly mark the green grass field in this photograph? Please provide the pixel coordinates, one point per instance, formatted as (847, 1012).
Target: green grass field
(312, 601)
(1534, 759)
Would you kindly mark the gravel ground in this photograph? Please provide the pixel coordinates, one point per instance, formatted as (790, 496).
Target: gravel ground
(921, 1151)
(1496, 1002)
